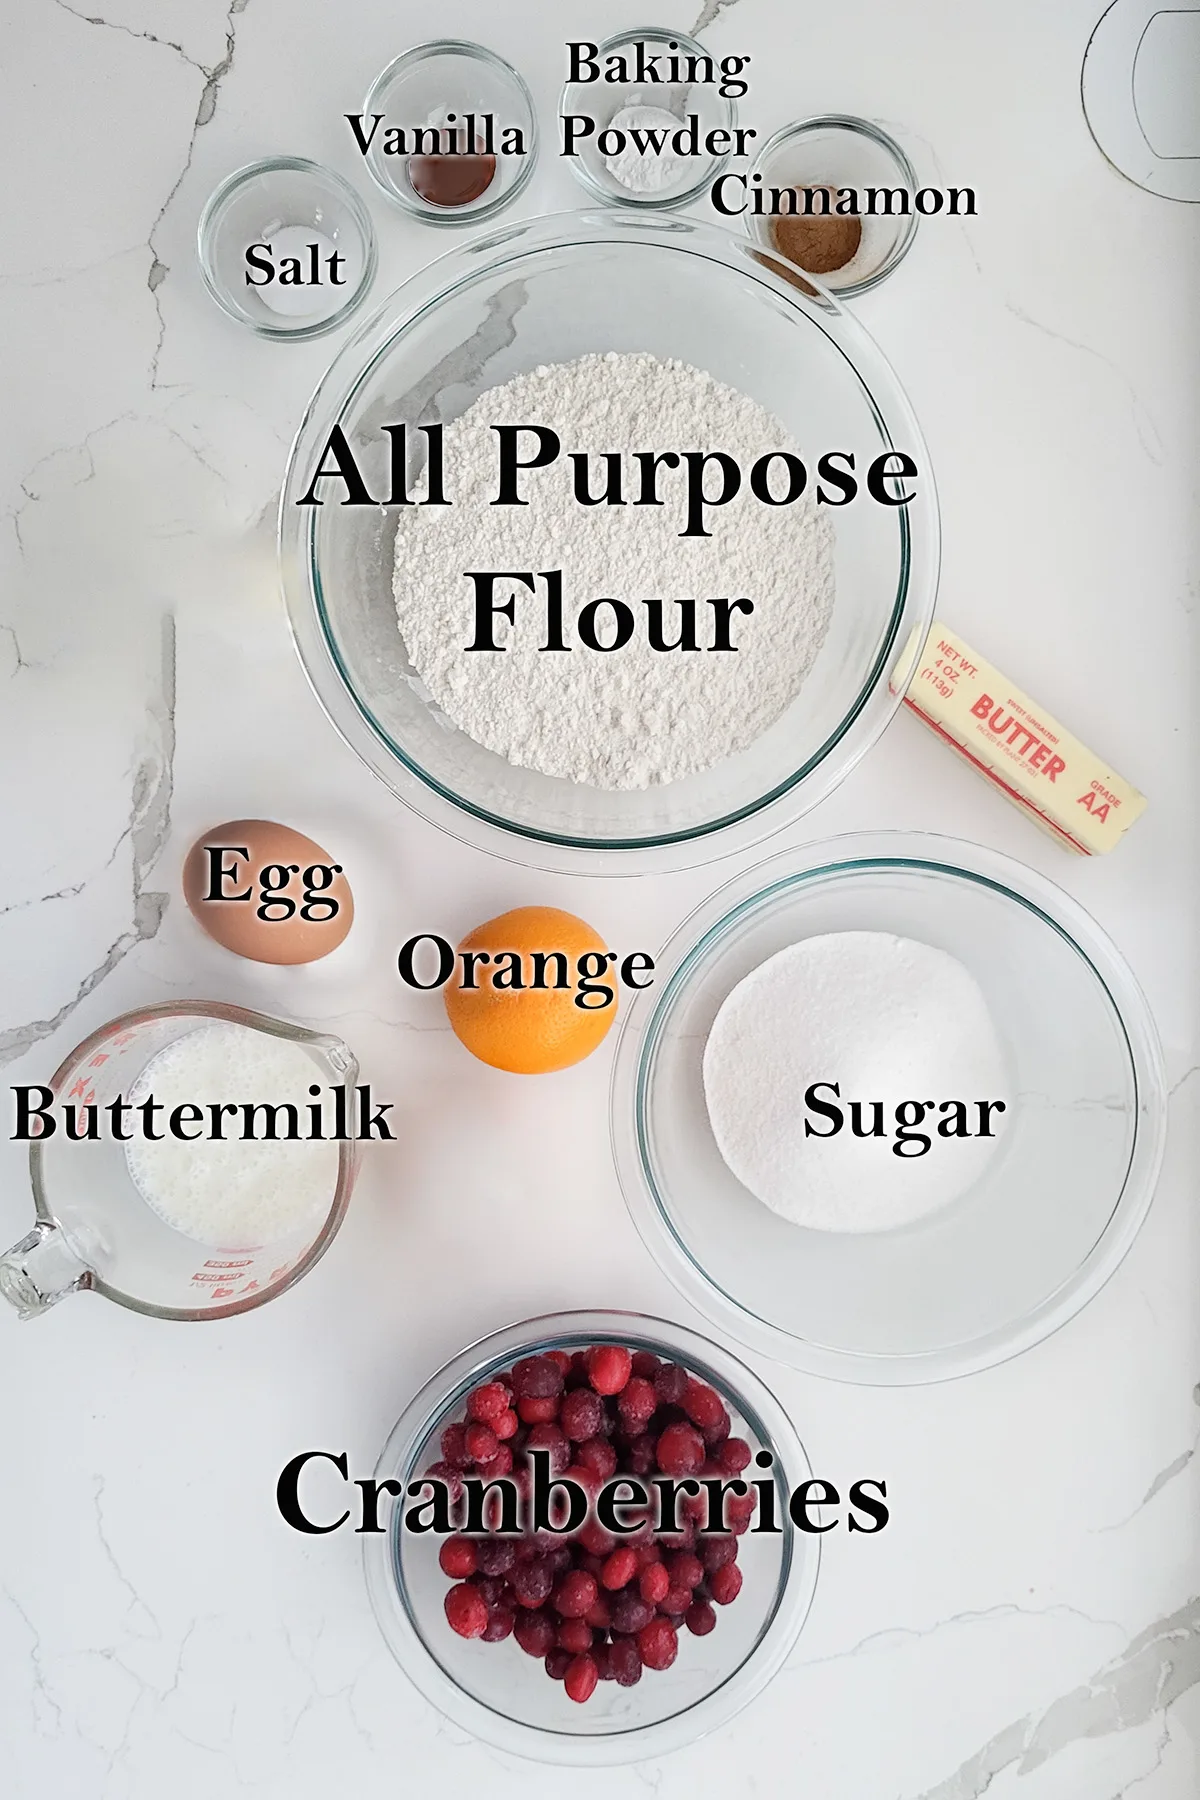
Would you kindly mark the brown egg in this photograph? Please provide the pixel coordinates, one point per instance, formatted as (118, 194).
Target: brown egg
(267, 892)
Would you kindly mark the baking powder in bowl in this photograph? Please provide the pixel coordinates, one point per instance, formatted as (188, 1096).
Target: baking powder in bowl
(634, 716)
(894, 1024)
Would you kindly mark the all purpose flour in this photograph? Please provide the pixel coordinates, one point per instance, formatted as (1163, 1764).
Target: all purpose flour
(890, 1021)
(635, 716)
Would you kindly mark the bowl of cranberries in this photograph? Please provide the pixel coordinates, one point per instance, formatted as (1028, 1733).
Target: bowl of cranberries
(586, 1554)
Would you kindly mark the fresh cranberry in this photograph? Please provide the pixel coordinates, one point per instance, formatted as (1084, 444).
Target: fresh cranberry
(531, 1583)
(537, 1409)
(549, 1437)
(609, 1367)
(598, 1454)
(685, 1569)
(575, 1594)
(700, 1618)
(537, 1377)
(558, 1661)
(636, 1404)
(670, 1384)
(619, 1569)
(646, 1364)
(653, 1583)
(658, 1643)
(450, 1477)
(733, 1456)
(629, 1611)
(505, 1424)
(454, 1446)
(458, 1558)
(501, 1620)
(625, 1661)
(581, 1678)
(482, 1442)
(581, 1413)
(575, 1635)
(486, 1403)
(466, 1610)
(599, 1614)
(680, 1450)
(725, 1584)
(715, 1552)
(535, 1632)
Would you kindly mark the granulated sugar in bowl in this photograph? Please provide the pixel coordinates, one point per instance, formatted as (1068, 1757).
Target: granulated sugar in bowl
(557, 292)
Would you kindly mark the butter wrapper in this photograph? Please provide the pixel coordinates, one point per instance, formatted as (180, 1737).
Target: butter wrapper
(1020, 749)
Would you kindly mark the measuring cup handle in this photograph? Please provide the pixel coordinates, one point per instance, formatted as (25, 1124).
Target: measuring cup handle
(40, 1270)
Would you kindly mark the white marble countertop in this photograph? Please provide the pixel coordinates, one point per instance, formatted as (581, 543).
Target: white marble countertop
(1029, 1625)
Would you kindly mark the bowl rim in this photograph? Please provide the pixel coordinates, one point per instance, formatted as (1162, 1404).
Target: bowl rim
(707, 926)
(798, 1578)
(211, 219)
(912, 607)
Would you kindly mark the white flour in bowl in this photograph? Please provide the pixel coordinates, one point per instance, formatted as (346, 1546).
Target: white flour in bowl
(632, 717)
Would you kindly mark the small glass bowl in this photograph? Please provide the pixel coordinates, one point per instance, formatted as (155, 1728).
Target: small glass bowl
(256, 204)
(450, 75)
(1055, 1210)
(501, 1695)
(840, 152)
(601, 100)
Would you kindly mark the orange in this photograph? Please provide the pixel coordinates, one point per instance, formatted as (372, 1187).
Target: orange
(531, 1030)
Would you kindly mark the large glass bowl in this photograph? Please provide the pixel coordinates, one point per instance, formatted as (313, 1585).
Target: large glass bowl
(503, 1696)
(550, 291)
(1056, 1208)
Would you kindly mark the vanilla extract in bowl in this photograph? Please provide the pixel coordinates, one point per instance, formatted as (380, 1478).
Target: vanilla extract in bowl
(454, 176)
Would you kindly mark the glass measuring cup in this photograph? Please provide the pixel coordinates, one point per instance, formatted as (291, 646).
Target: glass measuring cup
(95, 1232)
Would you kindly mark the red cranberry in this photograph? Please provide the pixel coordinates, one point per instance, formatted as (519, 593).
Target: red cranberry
(486, 1403)
(494, 1589)
(700, 1618)
(725, 1584)
(599, 1614)
(683, 1539)
(454, 1446)
(680, 1450)
(450, 1477)
(619, 1569)
(641, 1455)
(495, 1556)
(531, 1583)
(535, 1632)
(629, 1611)
(500, 1464)
(675, 1602)
(715, 1552)
(466, 1611)
(581, 1678)
(608, 1367)
(598, 1454)
(559, 1559)
(653, 1583)
(602, 1657)
(685, 1569)
(575, 1594)
(501, 1620)
(658, 1643)
(561, 1360)
(584, 1477)
(646, 1364)
(577, 1375)
(625, 1661)
(733, 1456)
(549, 1437)
(558, 1661)
(636, 1405)
(458, 1558)
(581, 1413)
(670, 1384)
(715, 1435)
(482, 1442)
(575, 1635)
(537, 1377)
(702, 1404)
(505, 1424)
(536, 1409)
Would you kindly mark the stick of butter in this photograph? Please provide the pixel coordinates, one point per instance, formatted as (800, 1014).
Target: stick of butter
(1057, 780)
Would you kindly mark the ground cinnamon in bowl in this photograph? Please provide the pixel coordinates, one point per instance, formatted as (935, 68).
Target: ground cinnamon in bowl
(817, 241)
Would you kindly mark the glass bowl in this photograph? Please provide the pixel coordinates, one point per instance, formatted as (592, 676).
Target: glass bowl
(258, 203)
(601, 100)
(450, 75)
(501, 1695)
(548, 291)
(1057, 1206)
(838, 151)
